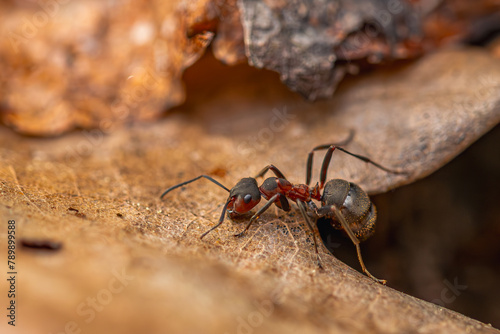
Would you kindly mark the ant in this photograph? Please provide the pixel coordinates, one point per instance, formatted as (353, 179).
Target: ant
(343, 203)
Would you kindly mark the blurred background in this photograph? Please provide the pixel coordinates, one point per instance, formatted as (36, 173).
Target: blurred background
(105, 104)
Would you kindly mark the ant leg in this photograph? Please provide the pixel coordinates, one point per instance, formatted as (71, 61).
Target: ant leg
(340, 217)
(285, 205)
(328, 158)
(257, 215)
(323, 147)
(274, 169)
(302, 207)
(187, 182)
(221, 219)
(368, 160)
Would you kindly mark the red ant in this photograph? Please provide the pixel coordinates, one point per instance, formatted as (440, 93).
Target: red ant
(344, 203)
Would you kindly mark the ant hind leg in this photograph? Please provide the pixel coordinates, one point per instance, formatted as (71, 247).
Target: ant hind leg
(302, 208)
(340, 218)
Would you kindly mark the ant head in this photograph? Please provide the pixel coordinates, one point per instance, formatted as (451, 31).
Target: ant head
(245, 195)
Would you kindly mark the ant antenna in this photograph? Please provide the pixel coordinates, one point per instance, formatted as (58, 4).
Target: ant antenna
(187, 182)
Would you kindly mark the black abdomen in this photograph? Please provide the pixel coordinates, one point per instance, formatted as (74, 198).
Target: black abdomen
(354, 204)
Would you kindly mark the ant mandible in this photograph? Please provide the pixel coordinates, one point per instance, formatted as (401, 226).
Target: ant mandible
(343, 203)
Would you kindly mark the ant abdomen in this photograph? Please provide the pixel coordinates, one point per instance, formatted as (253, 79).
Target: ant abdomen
(354, 204)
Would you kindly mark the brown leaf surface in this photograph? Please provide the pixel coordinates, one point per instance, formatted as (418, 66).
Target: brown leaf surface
(98, 194)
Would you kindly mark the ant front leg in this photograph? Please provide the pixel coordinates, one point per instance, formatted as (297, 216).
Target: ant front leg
(258, 213)
(323, 211)
(221, 219)
(274, 169)
(271, 184)
(224, 209)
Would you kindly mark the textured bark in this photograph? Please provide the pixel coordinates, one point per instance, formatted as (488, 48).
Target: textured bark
(309, 42)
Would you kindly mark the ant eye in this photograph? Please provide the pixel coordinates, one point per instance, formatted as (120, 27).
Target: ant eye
(247, 198)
